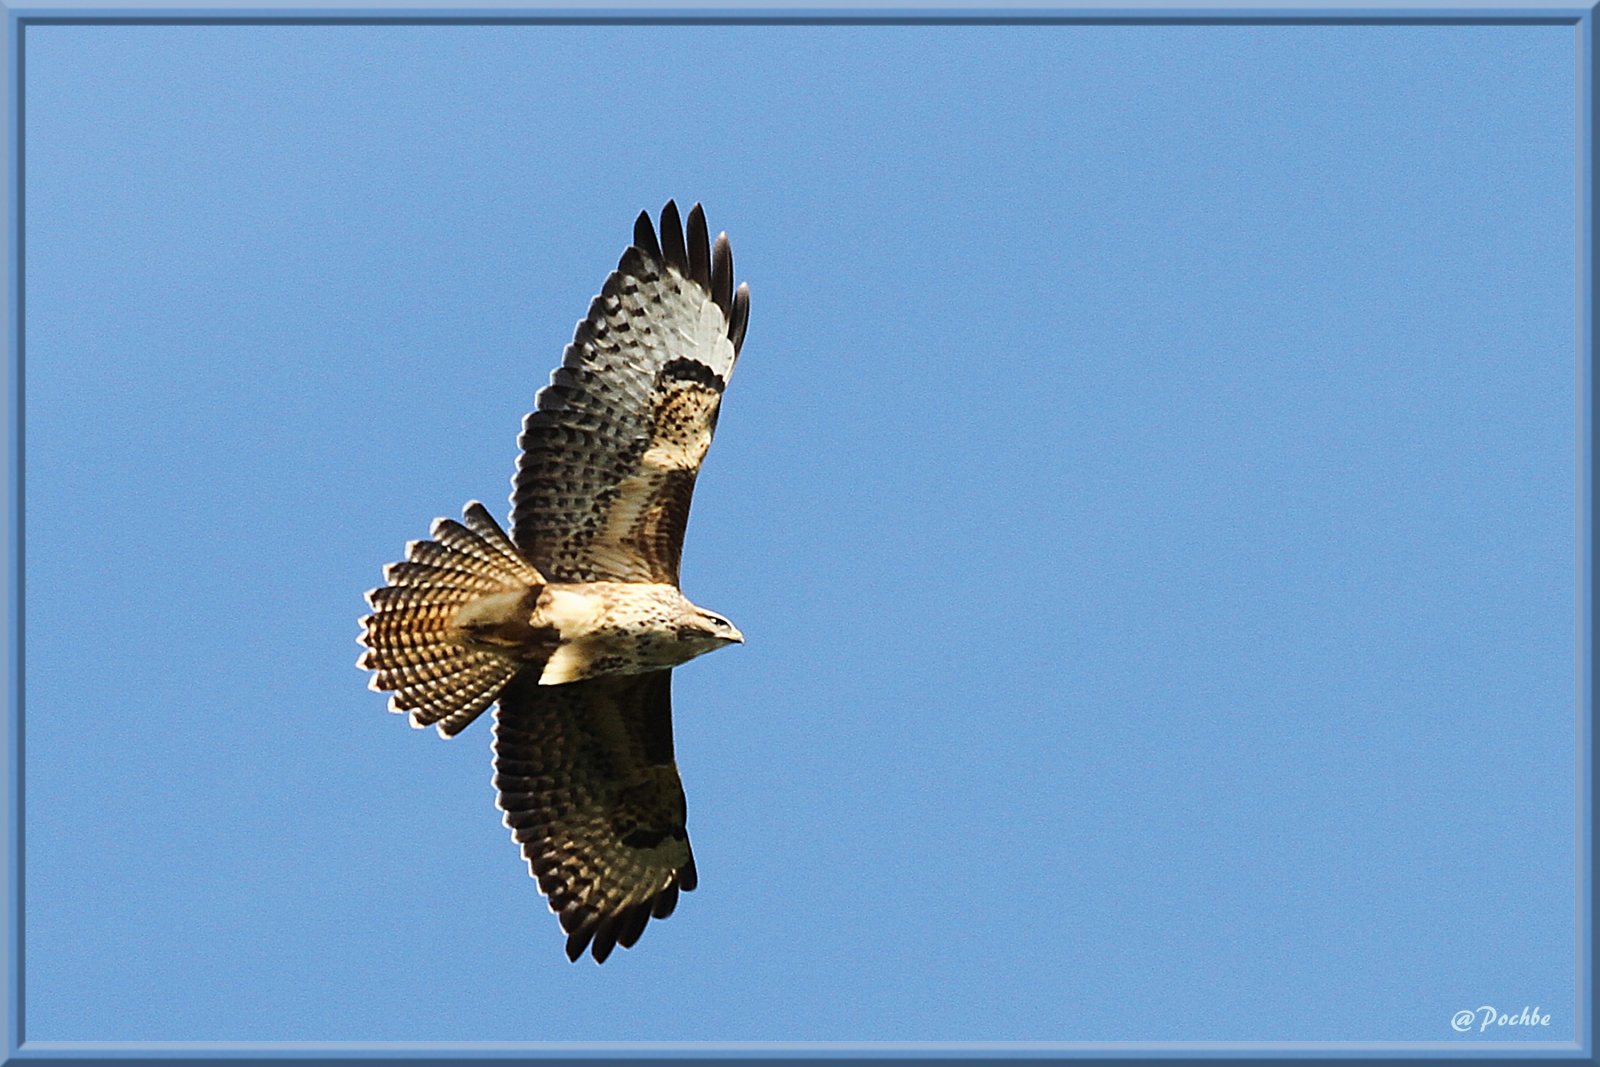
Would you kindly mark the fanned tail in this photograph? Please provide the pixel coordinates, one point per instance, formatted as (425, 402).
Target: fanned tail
(415, 649)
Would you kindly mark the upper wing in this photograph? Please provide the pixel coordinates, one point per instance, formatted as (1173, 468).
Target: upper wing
(610, 453)
(590, 790)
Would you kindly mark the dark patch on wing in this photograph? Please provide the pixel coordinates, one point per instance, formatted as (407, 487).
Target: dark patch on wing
(690, 370)
(644, 837)
(587, 781)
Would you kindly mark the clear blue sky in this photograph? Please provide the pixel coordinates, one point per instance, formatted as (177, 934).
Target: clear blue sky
(1147, 490)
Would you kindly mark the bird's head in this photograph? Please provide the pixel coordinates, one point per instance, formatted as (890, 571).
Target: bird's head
(707, 630)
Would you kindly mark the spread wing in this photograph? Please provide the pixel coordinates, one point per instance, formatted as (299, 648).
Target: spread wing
(590, 790)
(611, 451)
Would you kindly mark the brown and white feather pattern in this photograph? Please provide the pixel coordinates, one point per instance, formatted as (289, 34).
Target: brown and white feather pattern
(586, 778)
(612, 449)
(413, 647)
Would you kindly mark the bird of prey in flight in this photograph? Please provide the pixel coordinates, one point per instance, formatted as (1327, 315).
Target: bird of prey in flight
(573, 623)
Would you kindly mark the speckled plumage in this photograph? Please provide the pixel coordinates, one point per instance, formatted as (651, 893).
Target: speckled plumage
(574, 622)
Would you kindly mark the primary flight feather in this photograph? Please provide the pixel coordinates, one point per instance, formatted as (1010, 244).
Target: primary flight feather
(573, 623)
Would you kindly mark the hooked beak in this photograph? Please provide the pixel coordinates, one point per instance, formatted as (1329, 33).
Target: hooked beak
(737, 638)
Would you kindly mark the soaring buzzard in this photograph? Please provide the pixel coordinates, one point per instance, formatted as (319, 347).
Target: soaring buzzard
(574, 623)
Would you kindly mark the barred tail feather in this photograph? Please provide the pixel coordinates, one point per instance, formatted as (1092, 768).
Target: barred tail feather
(415, 650)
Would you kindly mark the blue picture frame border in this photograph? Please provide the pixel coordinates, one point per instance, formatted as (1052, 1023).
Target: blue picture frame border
(19, 17)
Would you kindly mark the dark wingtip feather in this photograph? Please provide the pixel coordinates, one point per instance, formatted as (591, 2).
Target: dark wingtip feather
(633, 924)
(605, 937)
(722, 273)
(699, 248)
(740, 317)
(577, 943)
(688, 877)
(672, 246)
(644, 235)
(666, 901)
